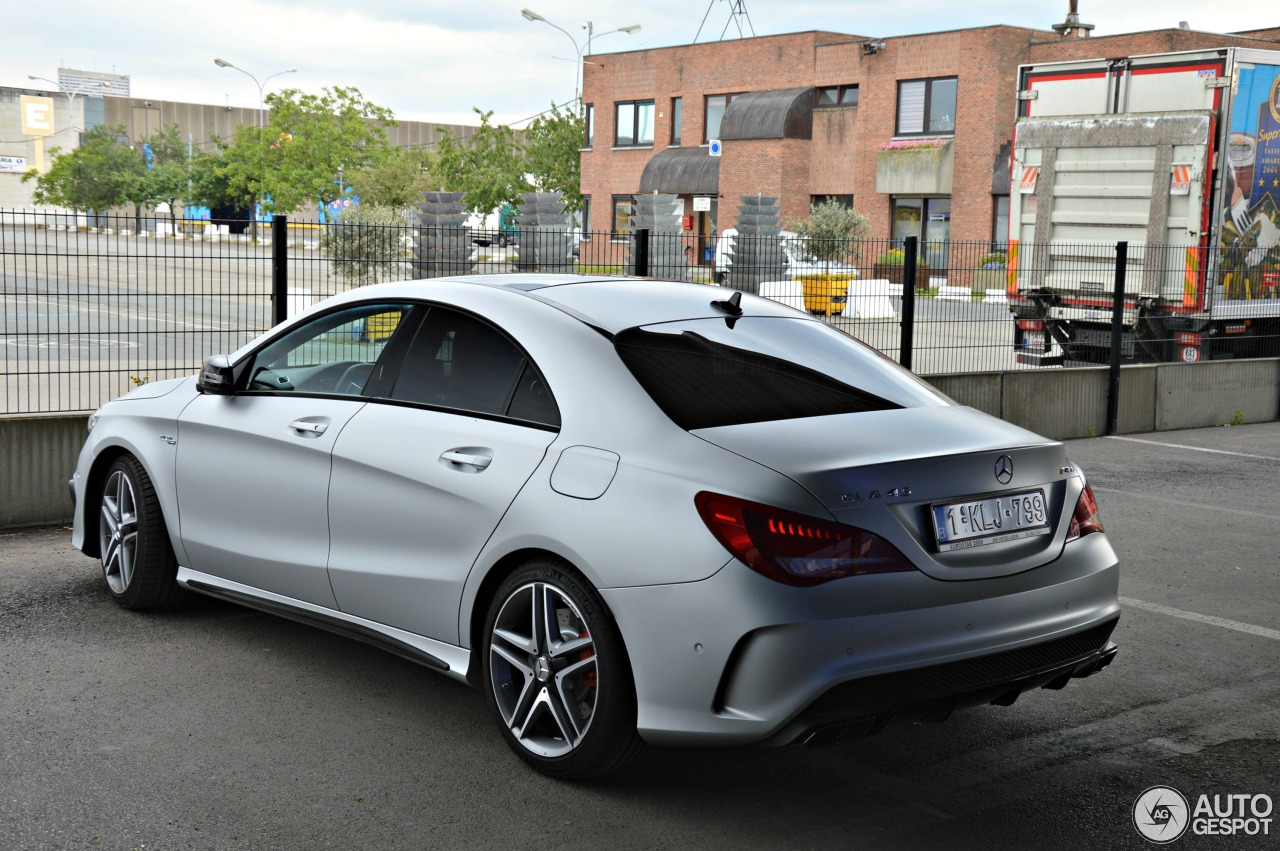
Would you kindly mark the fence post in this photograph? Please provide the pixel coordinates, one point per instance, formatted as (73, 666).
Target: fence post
(909, 248)
(642, 252)
(279, 269)
(1117, 327)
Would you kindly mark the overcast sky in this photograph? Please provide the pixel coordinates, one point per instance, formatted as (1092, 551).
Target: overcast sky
(433, 60)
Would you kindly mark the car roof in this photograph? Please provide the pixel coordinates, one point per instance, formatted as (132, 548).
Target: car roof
(611, 304)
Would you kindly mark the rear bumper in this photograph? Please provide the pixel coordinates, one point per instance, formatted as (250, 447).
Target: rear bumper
(862, 707)
(737, 659)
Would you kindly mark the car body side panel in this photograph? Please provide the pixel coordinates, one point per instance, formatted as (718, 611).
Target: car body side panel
(406, 522)
(142, 424)
(253, 489)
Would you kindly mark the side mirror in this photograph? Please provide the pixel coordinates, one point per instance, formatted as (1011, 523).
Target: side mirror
(216, 378)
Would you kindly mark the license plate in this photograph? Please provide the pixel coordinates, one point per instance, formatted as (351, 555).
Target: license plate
(960, 525)
(1033, 340)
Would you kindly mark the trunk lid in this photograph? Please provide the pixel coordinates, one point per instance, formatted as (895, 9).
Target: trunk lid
(886, 471)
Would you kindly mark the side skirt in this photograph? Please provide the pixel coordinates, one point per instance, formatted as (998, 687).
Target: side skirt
(437, 655)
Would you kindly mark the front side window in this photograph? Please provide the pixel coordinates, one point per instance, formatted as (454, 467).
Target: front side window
(927, 107)
(633, 126)
(705, 373)
(332, 354)
(677, 108)
(589, 121)
(621, 216)
(460, 362)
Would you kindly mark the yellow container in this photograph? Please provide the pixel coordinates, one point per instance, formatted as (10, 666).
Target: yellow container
(825, 294)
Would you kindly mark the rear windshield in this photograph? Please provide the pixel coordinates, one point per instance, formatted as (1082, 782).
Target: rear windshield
(706, 373)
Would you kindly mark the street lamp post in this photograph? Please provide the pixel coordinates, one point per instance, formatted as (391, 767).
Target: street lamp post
(71, 96)
(530, 15)
(222, 63)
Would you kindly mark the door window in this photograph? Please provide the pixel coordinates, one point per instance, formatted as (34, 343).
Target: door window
(459, 361)
(332, 354)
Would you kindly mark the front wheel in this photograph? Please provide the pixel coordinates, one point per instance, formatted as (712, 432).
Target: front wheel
(556, 674)
(133, 543)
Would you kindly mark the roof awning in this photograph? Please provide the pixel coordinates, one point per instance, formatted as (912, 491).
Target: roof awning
(775, 114)
(682, 171)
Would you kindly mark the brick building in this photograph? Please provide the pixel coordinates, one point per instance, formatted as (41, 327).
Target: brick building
(914, 131)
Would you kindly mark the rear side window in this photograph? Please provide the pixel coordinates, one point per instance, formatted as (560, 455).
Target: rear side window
(458, 361)
(711, 372)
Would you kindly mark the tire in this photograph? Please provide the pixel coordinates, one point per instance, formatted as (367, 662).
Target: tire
(560, 686)
(137, 558)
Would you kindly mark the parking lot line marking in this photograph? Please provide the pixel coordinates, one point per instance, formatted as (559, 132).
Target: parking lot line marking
(1193, 448)
(1188, 504)
(1209, 619)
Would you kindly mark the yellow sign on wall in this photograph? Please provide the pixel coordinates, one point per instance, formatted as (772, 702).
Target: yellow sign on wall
(37, 115)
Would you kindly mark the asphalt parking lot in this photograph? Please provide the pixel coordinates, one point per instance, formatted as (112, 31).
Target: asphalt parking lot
(214, 727)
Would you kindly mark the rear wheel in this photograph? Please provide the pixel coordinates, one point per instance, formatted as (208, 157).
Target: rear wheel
(557, 676)
(137, 558)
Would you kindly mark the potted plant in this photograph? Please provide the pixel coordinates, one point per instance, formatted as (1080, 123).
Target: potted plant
(890, 264)
(990, 274)
(826, 243)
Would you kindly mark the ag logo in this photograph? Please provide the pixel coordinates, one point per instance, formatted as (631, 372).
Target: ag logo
(1161, 814)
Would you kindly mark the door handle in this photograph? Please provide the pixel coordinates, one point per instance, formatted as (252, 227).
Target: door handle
(308, 427)
(455, 457)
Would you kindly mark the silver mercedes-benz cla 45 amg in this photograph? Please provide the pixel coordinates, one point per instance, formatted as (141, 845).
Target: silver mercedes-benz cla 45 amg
(628, 511)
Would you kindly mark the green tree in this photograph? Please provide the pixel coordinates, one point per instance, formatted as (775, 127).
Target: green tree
(295, 159)
(165, 174)
(489, 166)
(209, 185)
(833, 232)
(397, 180)
(552, 151)
(368, 244)
(95, 177)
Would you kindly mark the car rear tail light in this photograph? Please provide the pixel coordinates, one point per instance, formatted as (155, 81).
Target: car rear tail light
(793, 548)
(1086, 518)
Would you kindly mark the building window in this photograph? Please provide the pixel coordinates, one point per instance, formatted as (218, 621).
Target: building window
(1000, 223)
(621, 216)
(927, 107)
(633, 126)
(677, 105)
(716, 105)
(584, 220)
(845, 201)
(589, 120)
(927, 219)
(830, 97)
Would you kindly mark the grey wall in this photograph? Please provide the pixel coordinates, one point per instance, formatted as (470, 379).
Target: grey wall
(38, 453)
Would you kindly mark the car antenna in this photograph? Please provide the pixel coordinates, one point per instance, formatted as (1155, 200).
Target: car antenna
(731, 306)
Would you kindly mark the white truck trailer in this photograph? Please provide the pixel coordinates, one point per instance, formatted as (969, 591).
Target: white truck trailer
(1177, 154)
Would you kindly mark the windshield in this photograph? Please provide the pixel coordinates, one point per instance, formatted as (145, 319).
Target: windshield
(706, 373)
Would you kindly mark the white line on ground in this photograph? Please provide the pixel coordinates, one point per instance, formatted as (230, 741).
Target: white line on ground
(1209, 619)
(1192, 448)
(1202, 506)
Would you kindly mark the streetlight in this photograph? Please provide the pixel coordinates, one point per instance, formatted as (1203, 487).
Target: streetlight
(71, 96)
(222, 63)
(530, 15)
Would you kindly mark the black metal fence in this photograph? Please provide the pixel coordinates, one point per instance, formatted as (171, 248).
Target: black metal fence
(91, 311)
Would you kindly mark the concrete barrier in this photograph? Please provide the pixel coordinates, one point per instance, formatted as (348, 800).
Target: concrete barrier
(948, 293)
(869, 299)
(790, 293)
(38, 455)
(38, 452)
